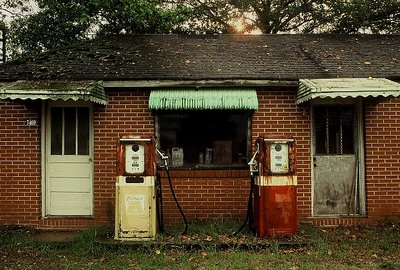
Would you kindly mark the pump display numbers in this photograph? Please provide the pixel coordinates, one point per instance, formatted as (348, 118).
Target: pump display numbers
(279, 155)
(134, 158)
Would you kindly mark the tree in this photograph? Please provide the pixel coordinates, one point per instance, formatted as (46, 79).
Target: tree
(266, 16)
(296, 16)
(140, 16)
(210, 16)
(368, 16)
(10, 8)
(275, 16)
(59, 23)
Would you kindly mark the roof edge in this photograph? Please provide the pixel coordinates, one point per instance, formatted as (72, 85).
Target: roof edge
(197, 83)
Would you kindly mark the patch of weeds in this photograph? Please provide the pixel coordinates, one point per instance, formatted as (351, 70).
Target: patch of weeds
(217, 227)
(86, 244)
(17, 237)
(389, 265)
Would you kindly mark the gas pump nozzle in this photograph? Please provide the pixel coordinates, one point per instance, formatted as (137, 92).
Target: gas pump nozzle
(253, 162)
(163, 158)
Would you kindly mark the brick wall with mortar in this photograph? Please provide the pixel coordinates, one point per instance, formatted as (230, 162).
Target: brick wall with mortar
(278, 114)
(203, 195)
(382, 155)
(20, 164)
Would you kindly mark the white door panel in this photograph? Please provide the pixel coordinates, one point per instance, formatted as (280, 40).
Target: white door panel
(70, 203)
(69, 168)
(64, 184)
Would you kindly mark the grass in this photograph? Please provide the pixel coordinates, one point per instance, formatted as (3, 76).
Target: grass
(366, 247)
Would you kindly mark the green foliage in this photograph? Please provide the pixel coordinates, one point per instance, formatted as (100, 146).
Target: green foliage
(59, 23)
(210, 16)
(275, 16)
(370, 16)
(294, 16)
(139, 17)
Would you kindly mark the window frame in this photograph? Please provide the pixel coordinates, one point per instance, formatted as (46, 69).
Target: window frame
(197, 166)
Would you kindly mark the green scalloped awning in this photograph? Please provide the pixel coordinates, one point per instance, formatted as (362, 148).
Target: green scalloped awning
(203, 99)
(55, 90)
(346, 88)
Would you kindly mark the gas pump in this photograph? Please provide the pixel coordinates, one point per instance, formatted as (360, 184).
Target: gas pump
(135, 207)
(275, 189)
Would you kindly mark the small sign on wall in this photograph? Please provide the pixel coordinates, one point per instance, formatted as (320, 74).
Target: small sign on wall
(31, 122)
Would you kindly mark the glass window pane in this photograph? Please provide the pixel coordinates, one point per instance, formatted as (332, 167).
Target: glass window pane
(69, 131)
(83, 131)
(219, 135)
(56, 131)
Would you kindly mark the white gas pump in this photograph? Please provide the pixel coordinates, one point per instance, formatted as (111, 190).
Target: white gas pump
(135, 206)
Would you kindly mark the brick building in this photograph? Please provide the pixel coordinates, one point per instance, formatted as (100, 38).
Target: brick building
(62, 113)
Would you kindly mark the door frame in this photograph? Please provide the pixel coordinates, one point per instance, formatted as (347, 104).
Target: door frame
(45, 114)
(359, 148)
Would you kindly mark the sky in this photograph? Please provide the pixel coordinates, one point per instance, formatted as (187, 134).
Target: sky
(7, 14)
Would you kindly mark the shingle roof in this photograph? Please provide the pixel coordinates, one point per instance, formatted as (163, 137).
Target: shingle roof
(215, 57)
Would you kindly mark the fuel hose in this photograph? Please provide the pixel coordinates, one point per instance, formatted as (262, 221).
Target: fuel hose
(160, 212)
(176, 201)
(249, 214)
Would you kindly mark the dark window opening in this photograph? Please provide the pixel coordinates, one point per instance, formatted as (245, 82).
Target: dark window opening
(204, 138)
(334, 130)
(70, 130)
(56, 131)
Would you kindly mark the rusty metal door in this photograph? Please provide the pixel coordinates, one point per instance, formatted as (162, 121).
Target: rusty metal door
(334, 185)
(335, 181)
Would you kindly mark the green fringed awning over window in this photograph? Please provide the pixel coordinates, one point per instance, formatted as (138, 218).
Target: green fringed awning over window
(55, 90)
(203, 99)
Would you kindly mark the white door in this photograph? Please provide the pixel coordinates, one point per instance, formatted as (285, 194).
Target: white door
(69, 168)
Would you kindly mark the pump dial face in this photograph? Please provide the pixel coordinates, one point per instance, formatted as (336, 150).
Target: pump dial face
(135, 147)
(278, 147)
(279, 155)
(134, 158)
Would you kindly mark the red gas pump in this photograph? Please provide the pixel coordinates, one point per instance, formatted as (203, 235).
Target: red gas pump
(135, 199)
(275, 189)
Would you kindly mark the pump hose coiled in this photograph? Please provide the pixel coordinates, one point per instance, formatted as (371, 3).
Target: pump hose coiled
(176, 201)
(249, 214)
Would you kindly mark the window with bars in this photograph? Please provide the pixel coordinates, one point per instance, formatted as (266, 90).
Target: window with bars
(334, 130)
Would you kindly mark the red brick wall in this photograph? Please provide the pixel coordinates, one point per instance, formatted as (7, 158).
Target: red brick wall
(382, 154)
(206, 194)
(211, 194)
(20, 167)
(278, 114)
(126, 113)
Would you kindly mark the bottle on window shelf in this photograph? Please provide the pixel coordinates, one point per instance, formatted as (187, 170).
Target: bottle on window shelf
(201, 158)
(208, 157)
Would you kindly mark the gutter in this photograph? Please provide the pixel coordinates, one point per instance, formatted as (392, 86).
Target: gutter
(197, 83)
